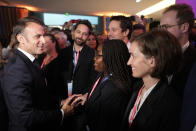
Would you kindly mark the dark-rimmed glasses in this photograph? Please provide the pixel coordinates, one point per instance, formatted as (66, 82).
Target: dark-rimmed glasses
(166, 26)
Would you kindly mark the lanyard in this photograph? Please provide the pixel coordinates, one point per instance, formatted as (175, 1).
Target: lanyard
(44, 61)
(135, 108)
(106, 78)
(76, 57)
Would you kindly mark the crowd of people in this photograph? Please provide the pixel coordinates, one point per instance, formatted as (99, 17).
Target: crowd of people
(74, 80)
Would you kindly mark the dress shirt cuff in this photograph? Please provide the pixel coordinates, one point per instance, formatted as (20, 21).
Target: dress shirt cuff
(62, 114)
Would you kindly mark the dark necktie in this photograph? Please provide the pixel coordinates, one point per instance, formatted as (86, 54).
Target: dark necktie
(36, 63)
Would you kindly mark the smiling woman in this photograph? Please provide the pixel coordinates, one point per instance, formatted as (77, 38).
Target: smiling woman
(154, 105)
(106, 102)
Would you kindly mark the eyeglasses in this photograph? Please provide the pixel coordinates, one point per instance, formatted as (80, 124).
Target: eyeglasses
(166, 26)
(97, 55)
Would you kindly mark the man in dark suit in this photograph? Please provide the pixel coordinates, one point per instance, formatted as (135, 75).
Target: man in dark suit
(3, 109)
(24, 87)
(78, 59)
(178, 19)
(188, 115)
(120, 28)
(79, 67)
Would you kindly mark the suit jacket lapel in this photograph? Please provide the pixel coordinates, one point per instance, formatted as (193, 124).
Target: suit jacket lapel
(25, 58)
(146, 109)
(97, 92)
(130, 105)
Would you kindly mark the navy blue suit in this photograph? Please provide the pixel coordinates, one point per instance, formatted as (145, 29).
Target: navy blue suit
(188, 116)
(30, 106)
(179, 79)
(3, 110)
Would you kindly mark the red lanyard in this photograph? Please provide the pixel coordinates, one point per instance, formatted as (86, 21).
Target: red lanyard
(44, 61)
(135, 107)
(94, 87)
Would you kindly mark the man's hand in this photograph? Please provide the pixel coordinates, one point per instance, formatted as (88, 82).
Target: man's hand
(79, 100)
(67, 107)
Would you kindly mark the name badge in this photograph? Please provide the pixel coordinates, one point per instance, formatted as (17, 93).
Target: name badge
(70, 86)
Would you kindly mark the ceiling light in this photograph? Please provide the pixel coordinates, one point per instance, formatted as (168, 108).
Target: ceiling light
(156, 7)
(109, 14)
(138, 1)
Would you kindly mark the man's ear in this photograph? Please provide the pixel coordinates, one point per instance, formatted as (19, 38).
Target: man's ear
(126, 32)
(185, 27)
(20, 38)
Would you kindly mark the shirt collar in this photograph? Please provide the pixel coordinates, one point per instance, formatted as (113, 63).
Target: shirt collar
(128, 44)
(31, 57)
(185, 46)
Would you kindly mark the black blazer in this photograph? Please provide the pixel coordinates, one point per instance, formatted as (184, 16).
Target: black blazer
(27, 98)
(159, 112)
(55, 83)
(106, 106)
(84, 73)
(179, 79)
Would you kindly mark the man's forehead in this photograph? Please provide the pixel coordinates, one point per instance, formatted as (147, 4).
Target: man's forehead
(82, 27)
(115, 22)
(33, 27)
(169, 16)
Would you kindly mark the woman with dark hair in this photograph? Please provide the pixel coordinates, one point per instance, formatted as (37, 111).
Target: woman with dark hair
(154, 105)
(92, 41)
(52, 71)
(106, 102)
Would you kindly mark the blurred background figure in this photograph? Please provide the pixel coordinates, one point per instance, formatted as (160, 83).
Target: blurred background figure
(138, 29)
(92, 41)
(54, 30)
(62, 39)
(69, 37)
(1, 59)
(8, 51)
(192, 36)
(154, 24)
(101, 38)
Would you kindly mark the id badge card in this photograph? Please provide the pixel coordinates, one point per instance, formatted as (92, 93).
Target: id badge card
(70, 86)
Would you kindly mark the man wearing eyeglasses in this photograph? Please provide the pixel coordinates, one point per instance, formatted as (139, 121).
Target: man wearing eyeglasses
(179, 19)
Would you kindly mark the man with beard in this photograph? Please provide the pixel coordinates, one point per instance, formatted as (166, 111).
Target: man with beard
(78, 64)
(78, 68)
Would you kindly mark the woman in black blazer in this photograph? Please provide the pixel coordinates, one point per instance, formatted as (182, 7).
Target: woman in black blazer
(106, 102)
(153, 106)
(52, 70)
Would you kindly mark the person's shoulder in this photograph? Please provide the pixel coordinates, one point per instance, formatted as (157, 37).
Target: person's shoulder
(111, 86)
(66, 53)
(169, 95)
(87, 48)
(191, 50)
